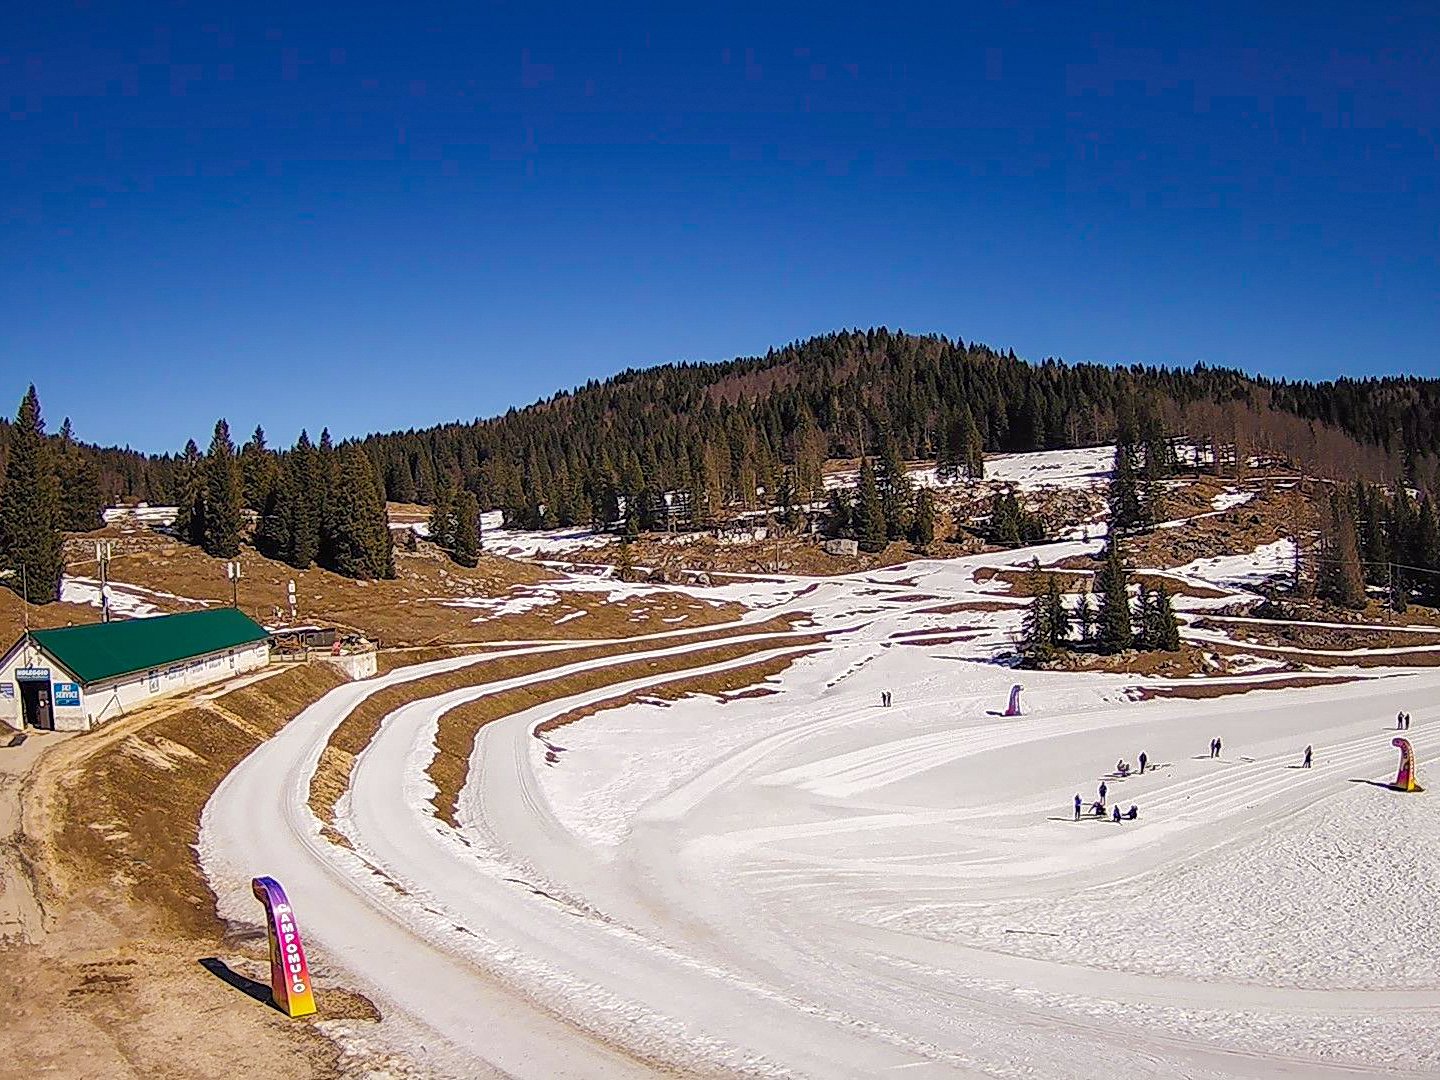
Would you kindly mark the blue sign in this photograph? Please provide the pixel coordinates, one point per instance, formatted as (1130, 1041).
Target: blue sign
(67, 693)
(32, 674)
(7, 689)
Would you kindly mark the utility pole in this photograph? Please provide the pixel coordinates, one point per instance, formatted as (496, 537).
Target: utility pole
(102, 557)
(232, 571)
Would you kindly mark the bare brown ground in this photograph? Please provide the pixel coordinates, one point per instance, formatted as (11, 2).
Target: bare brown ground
(458, 727)
(399, 612)
(725, 686)
(1310, 658)
(1206, 691)
(114, 987)
(353, 734)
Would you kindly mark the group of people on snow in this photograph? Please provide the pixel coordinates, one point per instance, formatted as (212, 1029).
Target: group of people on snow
(1097, 808)
(1402, 721)
(886, 698)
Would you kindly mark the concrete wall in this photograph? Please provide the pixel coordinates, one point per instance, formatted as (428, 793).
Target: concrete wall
(106, 700)
(353, 666)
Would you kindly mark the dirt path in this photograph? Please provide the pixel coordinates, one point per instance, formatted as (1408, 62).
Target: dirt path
(112, 966)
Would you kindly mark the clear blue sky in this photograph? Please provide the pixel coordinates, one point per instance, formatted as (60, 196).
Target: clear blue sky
(376, 216)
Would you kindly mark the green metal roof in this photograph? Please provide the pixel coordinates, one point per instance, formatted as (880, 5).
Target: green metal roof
(99, 651)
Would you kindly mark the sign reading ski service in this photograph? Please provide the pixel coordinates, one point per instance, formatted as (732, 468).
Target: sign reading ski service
(67, 693)
(289, 974)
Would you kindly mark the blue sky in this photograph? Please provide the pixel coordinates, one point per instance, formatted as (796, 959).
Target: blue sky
(377, 216)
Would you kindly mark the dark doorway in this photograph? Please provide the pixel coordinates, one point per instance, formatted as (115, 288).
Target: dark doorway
(36, 705)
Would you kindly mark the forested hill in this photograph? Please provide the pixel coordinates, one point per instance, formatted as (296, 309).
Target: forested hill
(719, 432)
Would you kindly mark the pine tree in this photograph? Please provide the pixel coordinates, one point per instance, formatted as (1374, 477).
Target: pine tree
(1143, 621)
(1165, 633)
(1339, 579)
(896, 491)
(1113, 632)
(274, 537)
(467, 529)
(869, 513)
(30, 541)
(190, 496)
(1127, 511)
(356, 536)
(1005, 519)
(838, 514)
(258, 471)
(307, 482)
(442, 514)
(82, 505)
(1037, 643)
(625, 561)
(1059, 617)
(922, 529)
(224, 496)
(972, 446)
(1085, 617)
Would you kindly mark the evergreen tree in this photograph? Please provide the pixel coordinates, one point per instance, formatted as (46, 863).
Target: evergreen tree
(82, 506)
(307, 481)
(1085, 617)
(1113, 632)
(190, 496)
(869, 513)
(224, 494)
(838, 514)
(258, 471)
(972, 445)
(1038, 641)
(442, 514)
(274, 536)
(1338, 578)
(1127, 510)
(896, 491)
(625, 561)
(356, 536)
(30, 541)
(922, 529)
(467, 529)
(1005, 514)
(1165, 630)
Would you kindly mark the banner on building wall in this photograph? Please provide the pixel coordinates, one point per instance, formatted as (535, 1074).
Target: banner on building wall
(289, 974)
(67, 693)
(7, 690)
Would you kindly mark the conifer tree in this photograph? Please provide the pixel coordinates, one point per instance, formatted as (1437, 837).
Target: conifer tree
(224, 494)
(258, 471)
(625, 561)
(307, 482)
(1085, 617)
(1113, 632)
(922, 529)
(1005, 520)
(274, 535)
(838, 514)
(1165, 632)
(356, 536)
(1127, 510)
(1144, 619)
(442, 514)
(190, 495)
(82, 505)
(467, 529)
(972, 445)
(1338, 578)
(869, 513)
(896, 491)
(30, 541)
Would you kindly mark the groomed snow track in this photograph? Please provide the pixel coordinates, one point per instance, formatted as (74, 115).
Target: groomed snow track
(805, 884)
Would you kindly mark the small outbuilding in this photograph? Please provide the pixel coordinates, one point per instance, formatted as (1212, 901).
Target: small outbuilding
(76, 677)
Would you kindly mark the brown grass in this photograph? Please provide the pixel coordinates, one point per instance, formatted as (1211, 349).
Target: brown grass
(354, 733)
(459, 726)
(110, 818)
(725, 686)
(1206, 691)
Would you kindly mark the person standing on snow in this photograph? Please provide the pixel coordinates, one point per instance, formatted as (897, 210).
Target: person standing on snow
(1218, 747)
(1077, 807)
(1103, 789)
(1307, 758)
(1399, 721)
(1143, 759)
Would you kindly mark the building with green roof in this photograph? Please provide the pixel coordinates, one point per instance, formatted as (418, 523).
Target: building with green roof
(75, 677)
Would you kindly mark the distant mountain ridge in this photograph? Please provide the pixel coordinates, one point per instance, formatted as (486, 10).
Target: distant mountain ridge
(719, 432)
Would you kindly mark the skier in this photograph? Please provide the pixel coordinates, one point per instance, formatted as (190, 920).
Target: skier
(1077, 807)
(1143, 759)
(1307, 757)
(1399, 721)
(1102, 790)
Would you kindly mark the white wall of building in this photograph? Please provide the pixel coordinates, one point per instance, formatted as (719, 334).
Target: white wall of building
(105, 700)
